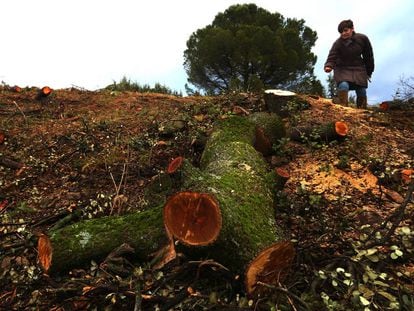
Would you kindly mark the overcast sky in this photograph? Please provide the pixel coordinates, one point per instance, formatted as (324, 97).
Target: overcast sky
(90, 44)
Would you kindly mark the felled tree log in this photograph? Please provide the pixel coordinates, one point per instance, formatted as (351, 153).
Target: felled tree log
(390, 105)
(226, 210)
(234, 179)
(324, 133)
(79, 243)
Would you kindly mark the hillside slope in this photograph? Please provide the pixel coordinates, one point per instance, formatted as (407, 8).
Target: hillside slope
(77, 154)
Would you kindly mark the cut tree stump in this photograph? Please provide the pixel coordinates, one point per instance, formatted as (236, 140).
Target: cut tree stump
(225, 211)
(43, 93)
(277, 101)
(282, 101)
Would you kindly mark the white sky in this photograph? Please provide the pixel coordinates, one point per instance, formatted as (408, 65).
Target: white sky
(90, 43)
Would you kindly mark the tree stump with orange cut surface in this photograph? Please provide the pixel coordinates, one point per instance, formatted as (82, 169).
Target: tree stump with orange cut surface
(43, 93)
(226, 211)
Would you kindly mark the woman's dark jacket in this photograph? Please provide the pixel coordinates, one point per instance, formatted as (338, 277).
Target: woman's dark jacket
(352, 59)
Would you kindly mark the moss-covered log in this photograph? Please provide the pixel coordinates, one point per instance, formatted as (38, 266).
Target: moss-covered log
(233, 177)
(79, 243)
(227, 207)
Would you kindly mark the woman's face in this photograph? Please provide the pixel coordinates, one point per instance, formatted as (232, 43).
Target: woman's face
(347, 33)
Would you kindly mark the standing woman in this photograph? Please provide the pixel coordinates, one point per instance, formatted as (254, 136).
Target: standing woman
(352, 60)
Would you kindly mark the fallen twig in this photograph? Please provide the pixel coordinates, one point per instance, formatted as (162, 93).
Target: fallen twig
(7, 162)
(21, 111)
(118, 199)
(287, 293)
(395, 218)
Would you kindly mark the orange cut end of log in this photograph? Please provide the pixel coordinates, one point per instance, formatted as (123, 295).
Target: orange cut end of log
(44, 248)
(46, 90)
(3, 205)
(270, 267)
(407, 175)
(16, 89)
(261, 142)
(282, 172)
(384, 106)
(193, 218)
(2, 137)
(341, 128)
(174, 165)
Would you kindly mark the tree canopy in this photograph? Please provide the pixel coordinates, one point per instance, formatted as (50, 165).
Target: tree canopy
(248, 48)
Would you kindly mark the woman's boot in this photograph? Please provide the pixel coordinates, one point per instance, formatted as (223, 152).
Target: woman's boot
(362, 102)
(342, 98)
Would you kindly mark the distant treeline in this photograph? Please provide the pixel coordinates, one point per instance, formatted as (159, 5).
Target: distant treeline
(127, 85)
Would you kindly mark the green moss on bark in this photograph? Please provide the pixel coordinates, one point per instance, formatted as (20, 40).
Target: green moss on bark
(240, 179)
(77, 244)
(231, 170)
(231, 130)
(271, 124)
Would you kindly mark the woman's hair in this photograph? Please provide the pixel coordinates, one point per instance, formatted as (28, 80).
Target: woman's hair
(345, 24)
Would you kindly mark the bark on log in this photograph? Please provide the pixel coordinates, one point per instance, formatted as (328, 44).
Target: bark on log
(231, 196)
(390, 105)
(278, 101)
(269, 128)
(79, 243)
(226, 209)
(325, 133)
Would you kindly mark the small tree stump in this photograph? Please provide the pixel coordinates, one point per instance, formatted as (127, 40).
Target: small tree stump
(277, 101)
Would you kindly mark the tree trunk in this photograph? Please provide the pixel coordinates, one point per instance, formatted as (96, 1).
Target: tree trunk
(394, 105)
(79, 243)
(277, 101)
(226, 208)
(283, 103)
(224, 211)
(323, 133)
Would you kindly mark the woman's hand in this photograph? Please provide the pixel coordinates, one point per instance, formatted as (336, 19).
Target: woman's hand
(328, 69)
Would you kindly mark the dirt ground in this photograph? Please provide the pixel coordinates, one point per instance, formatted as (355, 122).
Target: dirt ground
(67, 156)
